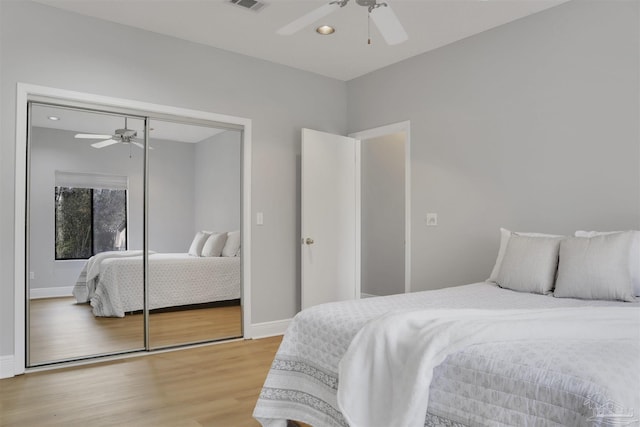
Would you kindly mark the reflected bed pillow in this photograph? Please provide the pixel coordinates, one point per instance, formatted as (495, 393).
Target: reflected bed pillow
(232, 245)
(198, 243)
(595, 268)
(634, 255)
(504, 240)
(529, 264)
(213, 246)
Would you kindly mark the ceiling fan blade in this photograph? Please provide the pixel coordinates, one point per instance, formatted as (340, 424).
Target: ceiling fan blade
(387, 22)
(91, 136)
(308, 19)
(105, 143)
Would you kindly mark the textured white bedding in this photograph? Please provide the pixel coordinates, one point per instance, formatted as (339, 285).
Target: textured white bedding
(542, 382)
(85, 286)
(387, 370)
(174, 280)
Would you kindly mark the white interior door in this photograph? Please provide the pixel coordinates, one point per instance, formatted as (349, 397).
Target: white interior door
(329, 218)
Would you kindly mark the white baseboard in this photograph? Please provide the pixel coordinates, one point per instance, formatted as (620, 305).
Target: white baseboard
(6, 367)
(269, 329)
(63, 291)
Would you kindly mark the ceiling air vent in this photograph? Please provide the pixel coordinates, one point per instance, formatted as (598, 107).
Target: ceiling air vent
(253, 5)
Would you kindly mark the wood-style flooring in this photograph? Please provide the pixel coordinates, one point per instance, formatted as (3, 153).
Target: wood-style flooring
(215, 385)
(61, 329)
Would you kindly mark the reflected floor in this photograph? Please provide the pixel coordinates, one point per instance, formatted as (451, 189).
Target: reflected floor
(61, 329)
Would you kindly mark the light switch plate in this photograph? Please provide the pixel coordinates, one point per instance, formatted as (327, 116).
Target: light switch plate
(259, 218)
(432, 219)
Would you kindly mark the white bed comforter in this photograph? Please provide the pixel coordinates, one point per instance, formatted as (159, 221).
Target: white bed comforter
(386, 372)
(174, 280)
(545, 382)
(85, 286)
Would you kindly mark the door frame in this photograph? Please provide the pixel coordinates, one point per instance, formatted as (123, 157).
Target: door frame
(26, 92)
(362, 136)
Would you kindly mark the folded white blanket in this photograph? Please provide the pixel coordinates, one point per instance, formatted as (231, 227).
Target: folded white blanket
(387, 369)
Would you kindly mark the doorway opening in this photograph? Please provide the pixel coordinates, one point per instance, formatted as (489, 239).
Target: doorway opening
(384, 200)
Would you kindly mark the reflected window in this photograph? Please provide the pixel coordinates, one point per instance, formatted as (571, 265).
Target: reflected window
(89, 218)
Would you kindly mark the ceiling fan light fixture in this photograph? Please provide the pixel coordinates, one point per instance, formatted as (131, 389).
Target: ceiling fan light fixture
(54, 118)
(325, 30)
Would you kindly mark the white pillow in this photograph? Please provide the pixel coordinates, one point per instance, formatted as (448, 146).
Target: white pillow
(213, 246)
(634, 255)
(232, 245)
(504, 240)
(595, 268)
(198, 242)
(529, 264)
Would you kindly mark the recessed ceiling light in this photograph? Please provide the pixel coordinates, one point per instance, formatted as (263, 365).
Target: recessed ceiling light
(325, 30)
(54, 118)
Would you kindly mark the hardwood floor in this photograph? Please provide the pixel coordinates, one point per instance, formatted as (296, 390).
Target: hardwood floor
(215, 386)
(61, 329)
(202, 324)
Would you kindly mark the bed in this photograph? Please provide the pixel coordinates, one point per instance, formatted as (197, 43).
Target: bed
(335, 358)
(112, 281)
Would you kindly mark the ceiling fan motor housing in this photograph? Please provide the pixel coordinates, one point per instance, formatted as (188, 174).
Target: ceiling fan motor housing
(126, 133)
(367, 3)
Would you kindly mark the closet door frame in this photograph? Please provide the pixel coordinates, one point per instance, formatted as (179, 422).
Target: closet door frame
(29, 92)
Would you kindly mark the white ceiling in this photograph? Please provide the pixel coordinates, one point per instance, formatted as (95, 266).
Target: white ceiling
(343, 55)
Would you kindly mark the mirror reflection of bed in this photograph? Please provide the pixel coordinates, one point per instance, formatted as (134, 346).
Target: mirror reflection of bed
(88, 302)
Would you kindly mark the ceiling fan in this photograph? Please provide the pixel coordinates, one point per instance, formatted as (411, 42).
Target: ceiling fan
(126, 136)
(380, 12)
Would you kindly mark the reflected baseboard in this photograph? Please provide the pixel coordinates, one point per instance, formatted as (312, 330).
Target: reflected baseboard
(62, 291)
(364, 295)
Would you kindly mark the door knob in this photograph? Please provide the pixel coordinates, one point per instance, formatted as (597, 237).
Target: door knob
(309, 241)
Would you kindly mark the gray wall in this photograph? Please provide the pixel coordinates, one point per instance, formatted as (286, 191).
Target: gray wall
(172, 196)
(49, 47)
(217, 182)
(383, 214)
(531, 126)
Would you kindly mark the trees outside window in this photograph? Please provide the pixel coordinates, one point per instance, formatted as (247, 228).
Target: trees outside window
(89, 221)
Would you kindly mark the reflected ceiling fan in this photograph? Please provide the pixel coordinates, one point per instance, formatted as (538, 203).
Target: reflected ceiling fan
(380, 12)
(125, 136)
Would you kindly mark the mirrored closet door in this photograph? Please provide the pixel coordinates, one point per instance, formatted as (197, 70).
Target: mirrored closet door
(85, 202)
(194, 233)
(133, 232)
